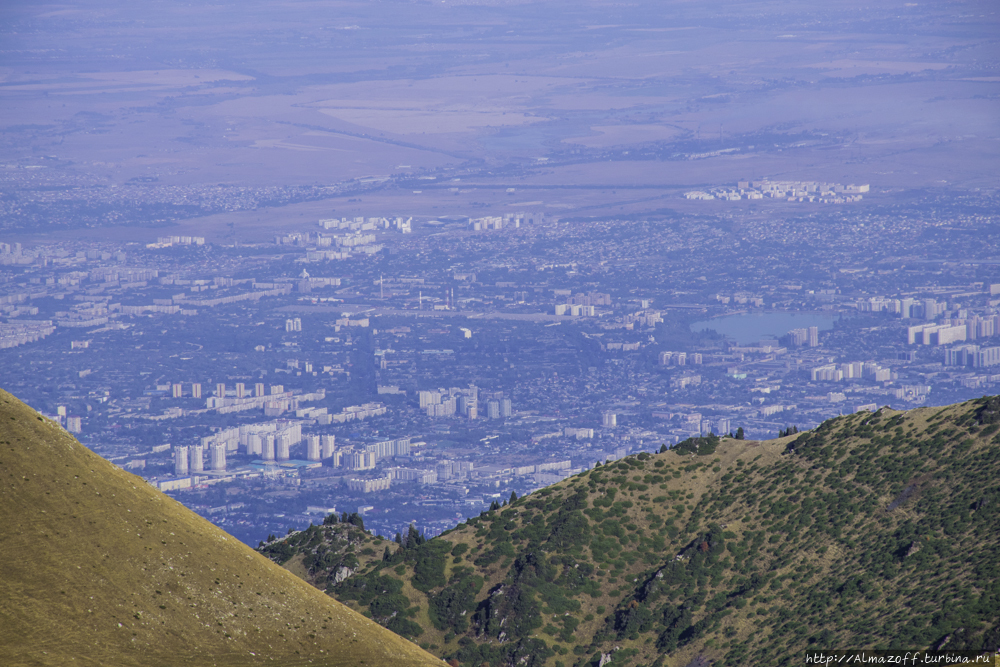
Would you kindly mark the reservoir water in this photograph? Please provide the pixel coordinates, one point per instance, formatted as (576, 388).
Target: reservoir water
(751, 327)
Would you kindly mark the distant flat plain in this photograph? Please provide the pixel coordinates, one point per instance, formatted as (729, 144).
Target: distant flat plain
(591, 109)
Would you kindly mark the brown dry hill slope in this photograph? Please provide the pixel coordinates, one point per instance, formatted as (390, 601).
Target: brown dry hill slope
(98, 568)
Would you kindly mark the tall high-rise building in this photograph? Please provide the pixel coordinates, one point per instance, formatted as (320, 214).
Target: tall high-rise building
(74, 424)
(177, 390)
(218, 457)
(813, 336)
(506, 410)
(196, 456)
(282, 445)
(493, 409)
(610, 419)
(360, 460)
(180, 461)
(328, 444)
(196, 390)
(294, 324)
(313, 452)
(798, 337)
(905, 306)
(268, 454)
(220, 390)
(255, 444)
(241, 390)
(258, 390)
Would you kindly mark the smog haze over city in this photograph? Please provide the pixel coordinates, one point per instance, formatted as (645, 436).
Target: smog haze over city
(402, 259)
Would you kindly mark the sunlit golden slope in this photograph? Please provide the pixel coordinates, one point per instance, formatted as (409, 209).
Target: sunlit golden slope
(98, 568)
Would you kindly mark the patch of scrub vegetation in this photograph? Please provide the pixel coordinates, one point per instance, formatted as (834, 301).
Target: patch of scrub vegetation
(874, 530)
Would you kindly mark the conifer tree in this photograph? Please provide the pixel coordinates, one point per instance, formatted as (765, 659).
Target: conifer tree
(413, 538)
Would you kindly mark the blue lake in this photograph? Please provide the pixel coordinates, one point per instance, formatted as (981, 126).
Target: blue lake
(751, 327)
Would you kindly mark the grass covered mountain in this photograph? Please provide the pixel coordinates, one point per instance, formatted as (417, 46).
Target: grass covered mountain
(97, 568)
(871, 531)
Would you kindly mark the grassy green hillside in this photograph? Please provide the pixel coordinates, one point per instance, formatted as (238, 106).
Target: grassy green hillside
(873, 531)
(100, 569)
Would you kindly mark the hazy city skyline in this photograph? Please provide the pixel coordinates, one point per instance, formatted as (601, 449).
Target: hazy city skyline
(259, 242)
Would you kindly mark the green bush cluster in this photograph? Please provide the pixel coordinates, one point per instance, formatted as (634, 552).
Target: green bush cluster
(702, 446)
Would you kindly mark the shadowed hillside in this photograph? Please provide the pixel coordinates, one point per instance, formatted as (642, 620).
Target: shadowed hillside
(872, 531)
(98, 568)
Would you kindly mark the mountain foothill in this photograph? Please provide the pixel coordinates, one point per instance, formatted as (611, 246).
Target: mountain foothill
(873, 530)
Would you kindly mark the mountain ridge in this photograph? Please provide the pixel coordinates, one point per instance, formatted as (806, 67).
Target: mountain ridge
(873, 530)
